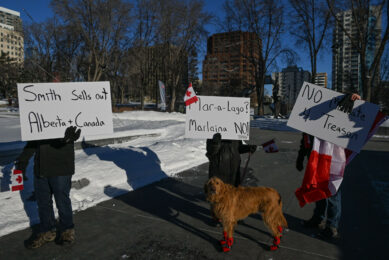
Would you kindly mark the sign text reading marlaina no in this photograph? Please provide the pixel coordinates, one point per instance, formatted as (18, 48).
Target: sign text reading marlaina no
(47, 109)
(229, 116)
(316, 113)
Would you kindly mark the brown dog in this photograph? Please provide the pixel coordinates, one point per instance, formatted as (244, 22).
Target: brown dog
(230, 204)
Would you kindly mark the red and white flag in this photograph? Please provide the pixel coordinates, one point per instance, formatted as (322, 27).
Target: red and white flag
(17, 180)
(325, 168)
(190, 96)
(270, 147)
(324, 172)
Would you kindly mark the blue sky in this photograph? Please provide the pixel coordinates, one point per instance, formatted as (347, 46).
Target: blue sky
(39, 10)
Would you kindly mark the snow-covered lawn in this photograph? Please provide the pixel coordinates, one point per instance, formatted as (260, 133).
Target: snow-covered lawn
(105, 172)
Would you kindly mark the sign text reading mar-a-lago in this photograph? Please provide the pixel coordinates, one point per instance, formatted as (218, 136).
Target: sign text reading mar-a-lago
(229, 116)
(47, 109)
(315, 112)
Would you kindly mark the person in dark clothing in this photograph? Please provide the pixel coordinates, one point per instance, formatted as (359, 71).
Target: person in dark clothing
(224, 158)
(327, 212)
(53, 170)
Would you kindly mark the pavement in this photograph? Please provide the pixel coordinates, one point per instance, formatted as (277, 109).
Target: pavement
(170, 219)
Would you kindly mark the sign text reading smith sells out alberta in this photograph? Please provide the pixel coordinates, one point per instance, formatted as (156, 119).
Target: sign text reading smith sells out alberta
(47, 109)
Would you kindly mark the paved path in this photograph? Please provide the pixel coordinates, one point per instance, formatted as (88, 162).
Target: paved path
(170, 219)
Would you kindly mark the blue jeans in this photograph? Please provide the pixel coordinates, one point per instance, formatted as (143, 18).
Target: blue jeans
(45, 188)
(329, 208)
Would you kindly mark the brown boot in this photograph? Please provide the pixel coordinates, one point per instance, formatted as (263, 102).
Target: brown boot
(67, 237)
(41, 239)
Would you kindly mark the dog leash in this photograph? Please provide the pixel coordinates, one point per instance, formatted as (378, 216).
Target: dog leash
(245, 168)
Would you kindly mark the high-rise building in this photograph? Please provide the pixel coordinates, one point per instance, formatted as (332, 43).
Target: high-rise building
(11, 34)
(346, 74)
(227, 61)
(290, 81)
(321, 79)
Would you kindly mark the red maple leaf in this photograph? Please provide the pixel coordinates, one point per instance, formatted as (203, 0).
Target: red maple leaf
(19, 179)
(188, 93)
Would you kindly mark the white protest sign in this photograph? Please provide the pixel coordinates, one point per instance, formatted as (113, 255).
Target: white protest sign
(315, 113)
(229, 116)
(47, 109)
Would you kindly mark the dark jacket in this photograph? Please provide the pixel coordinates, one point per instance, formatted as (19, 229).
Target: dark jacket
(224, 159)
(53, 157)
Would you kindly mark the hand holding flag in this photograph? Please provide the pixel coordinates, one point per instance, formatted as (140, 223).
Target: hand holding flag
(190, 96)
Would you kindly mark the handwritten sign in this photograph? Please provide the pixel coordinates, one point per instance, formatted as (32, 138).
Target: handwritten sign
(229, 116)
(315, 113)
(47, 109)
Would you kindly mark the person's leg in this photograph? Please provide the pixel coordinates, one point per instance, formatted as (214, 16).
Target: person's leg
(333, 216)
(334, 210)
(319, 215)
(61, 189)
(43, 194)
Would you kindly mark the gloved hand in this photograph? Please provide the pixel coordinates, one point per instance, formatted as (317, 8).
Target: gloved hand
(346, 104)
(217, 138)
(71, 134)
(253, 148)
(21, 167)
(300, 163)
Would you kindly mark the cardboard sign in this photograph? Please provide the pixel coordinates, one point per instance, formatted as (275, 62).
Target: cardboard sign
(315, 113)
(47, 109)
(229, 116)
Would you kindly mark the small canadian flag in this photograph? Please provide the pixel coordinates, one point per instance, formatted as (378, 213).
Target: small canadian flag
(17, 180)
(270, 147)
(190, 96)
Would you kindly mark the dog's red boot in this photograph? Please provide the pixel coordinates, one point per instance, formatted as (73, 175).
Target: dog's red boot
(224, 240)
(280, 229)
(276, 242)
(227, 246)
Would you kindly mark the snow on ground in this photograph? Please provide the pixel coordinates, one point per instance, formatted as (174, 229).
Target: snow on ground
(110, 170)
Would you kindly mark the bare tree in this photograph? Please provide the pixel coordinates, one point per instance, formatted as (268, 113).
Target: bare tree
(9, 71)
(181, 26)
(364, 19)
(310, 20)
(265, 19)
(103, 26)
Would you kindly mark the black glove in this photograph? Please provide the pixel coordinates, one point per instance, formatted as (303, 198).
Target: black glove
(71, 134)
(346, 104)
(217, 138)
(300, 163)
(21, 167)
(252, 148)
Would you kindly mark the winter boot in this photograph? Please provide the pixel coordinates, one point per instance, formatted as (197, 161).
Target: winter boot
(315, 223)
(330, 233)
(41, 239)
(67, 237)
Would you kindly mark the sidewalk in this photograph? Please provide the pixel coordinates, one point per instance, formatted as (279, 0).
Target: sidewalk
(170, 219)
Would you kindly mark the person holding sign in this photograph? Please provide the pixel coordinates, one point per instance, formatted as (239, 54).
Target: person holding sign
(53, 170)
(327, 211)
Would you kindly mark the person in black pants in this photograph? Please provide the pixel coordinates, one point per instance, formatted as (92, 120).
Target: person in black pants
(53, 170)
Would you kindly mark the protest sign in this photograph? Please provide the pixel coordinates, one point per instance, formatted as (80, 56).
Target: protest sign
(316, 113)
(229, 116)
(47, 109)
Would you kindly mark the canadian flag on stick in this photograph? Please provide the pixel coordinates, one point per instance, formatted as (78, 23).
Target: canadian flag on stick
(17, 180)
(270, 147)
(190, 96)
